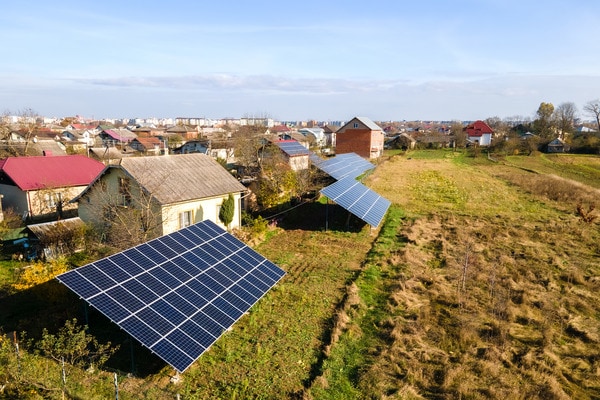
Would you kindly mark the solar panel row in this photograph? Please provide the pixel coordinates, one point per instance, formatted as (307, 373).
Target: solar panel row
(178, 293)
(342, 165)
(358, 199)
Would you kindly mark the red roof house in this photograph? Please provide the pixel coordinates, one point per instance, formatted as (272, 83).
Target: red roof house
(42, 187)
(479, 132)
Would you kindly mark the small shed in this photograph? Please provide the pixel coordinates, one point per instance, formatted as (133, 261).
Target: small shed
(558, 146)
(50, 240)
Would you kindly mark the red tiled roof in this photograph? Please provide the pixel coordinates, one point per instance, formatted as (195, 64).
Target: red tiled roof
(83, 126)
(478, 128)
(149, 141)
(280, 128)
(33, 173)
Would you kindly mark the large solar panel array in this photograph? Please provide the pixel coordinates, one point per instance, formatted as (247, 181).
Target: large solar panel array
(292, 148)
(177, 294)
(342, 165)
(358, 199)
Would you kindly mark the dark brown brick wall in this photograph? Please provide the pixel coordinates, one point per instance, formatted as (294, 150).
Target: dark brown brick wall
(354, 141)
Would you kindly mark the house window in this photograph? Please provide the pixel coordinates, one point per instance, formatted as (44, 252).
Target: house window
(50, 200)
(185, 219)
(356, 125)
(124, 191)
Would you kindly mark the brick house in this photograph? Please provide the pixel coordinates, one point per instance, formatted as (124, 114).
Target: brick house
(361, 136)
(147, 145)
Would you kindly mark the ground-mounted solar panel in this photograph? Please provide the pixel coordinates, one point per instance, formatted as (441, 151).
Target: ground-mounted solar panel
(177, 294)
(358, 199)
(315, 159)
(292, 148)
(343, 165)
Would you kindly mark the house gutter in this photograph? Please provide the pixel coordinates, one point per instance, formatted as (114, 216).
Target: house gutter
(29, 209)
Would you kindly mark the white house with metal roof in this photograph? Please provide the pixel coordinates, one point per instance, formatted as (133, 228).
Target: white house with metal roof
(178, 190)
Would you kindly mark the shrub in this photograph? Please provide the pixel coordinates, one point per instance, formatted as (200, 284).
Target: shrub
(74, 345)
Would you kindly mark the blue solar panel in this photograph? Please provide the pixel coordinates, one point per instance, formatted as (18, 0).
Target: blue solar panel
(292, 148)
(177, 294)
(358, 199)
(315, 159)
(343, 165)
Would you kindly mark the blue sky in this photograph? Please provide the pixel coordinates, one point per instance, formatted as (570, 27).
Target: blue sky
(325, 60)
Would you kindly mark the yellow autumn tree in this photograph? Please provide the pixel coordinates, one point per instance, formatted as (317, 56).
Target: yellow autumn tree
(39, 272)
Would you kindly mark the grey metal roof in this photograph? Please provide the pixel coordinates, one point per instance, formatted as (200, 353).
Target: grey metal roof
(181, 177)
(365, 121)
(43, 229)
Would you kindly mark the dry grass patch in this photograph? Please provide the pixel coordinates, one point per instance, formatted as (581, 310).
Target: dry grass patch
(492, 297)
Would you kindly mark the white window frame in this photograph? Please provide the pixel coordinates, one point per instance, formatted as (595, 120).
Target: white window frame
(185, 219)
(51, 200)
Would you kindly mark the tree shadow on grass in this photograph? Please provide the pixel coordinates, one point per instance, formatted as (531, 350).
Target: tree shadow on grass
(319, 217)
(48, 305)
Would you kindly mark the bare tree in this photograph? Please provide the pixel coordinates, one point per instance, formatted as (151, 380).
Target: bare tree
(592, 108)
(5, 134)
(28, 125)
(54, 200)
(500, 127)
(464, 271)
(125, 213)
(249, 142)
(565, 116)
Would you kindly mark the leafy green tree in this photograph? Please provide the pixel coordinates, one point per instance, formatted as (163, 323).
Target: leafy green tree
(73, 344)
(460, 136)
(277, 183)
(227, 211)
(543, 125)
(174, 140)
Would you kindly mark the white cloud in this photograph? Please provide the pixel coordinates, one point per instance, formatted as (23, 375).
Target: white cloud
(257, 83)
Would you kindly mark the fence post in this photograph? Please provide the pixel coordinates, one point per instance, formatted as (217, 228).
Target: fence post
(116, 387)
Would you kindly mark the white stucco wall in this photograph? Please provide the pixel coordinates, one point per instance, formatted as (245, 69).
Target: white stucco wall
(201, 210)
(299, 163)
(35, 202)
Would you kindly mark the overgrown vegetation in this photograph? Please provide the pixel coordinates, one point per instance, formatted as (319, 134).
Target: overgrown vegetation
(492, 299)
